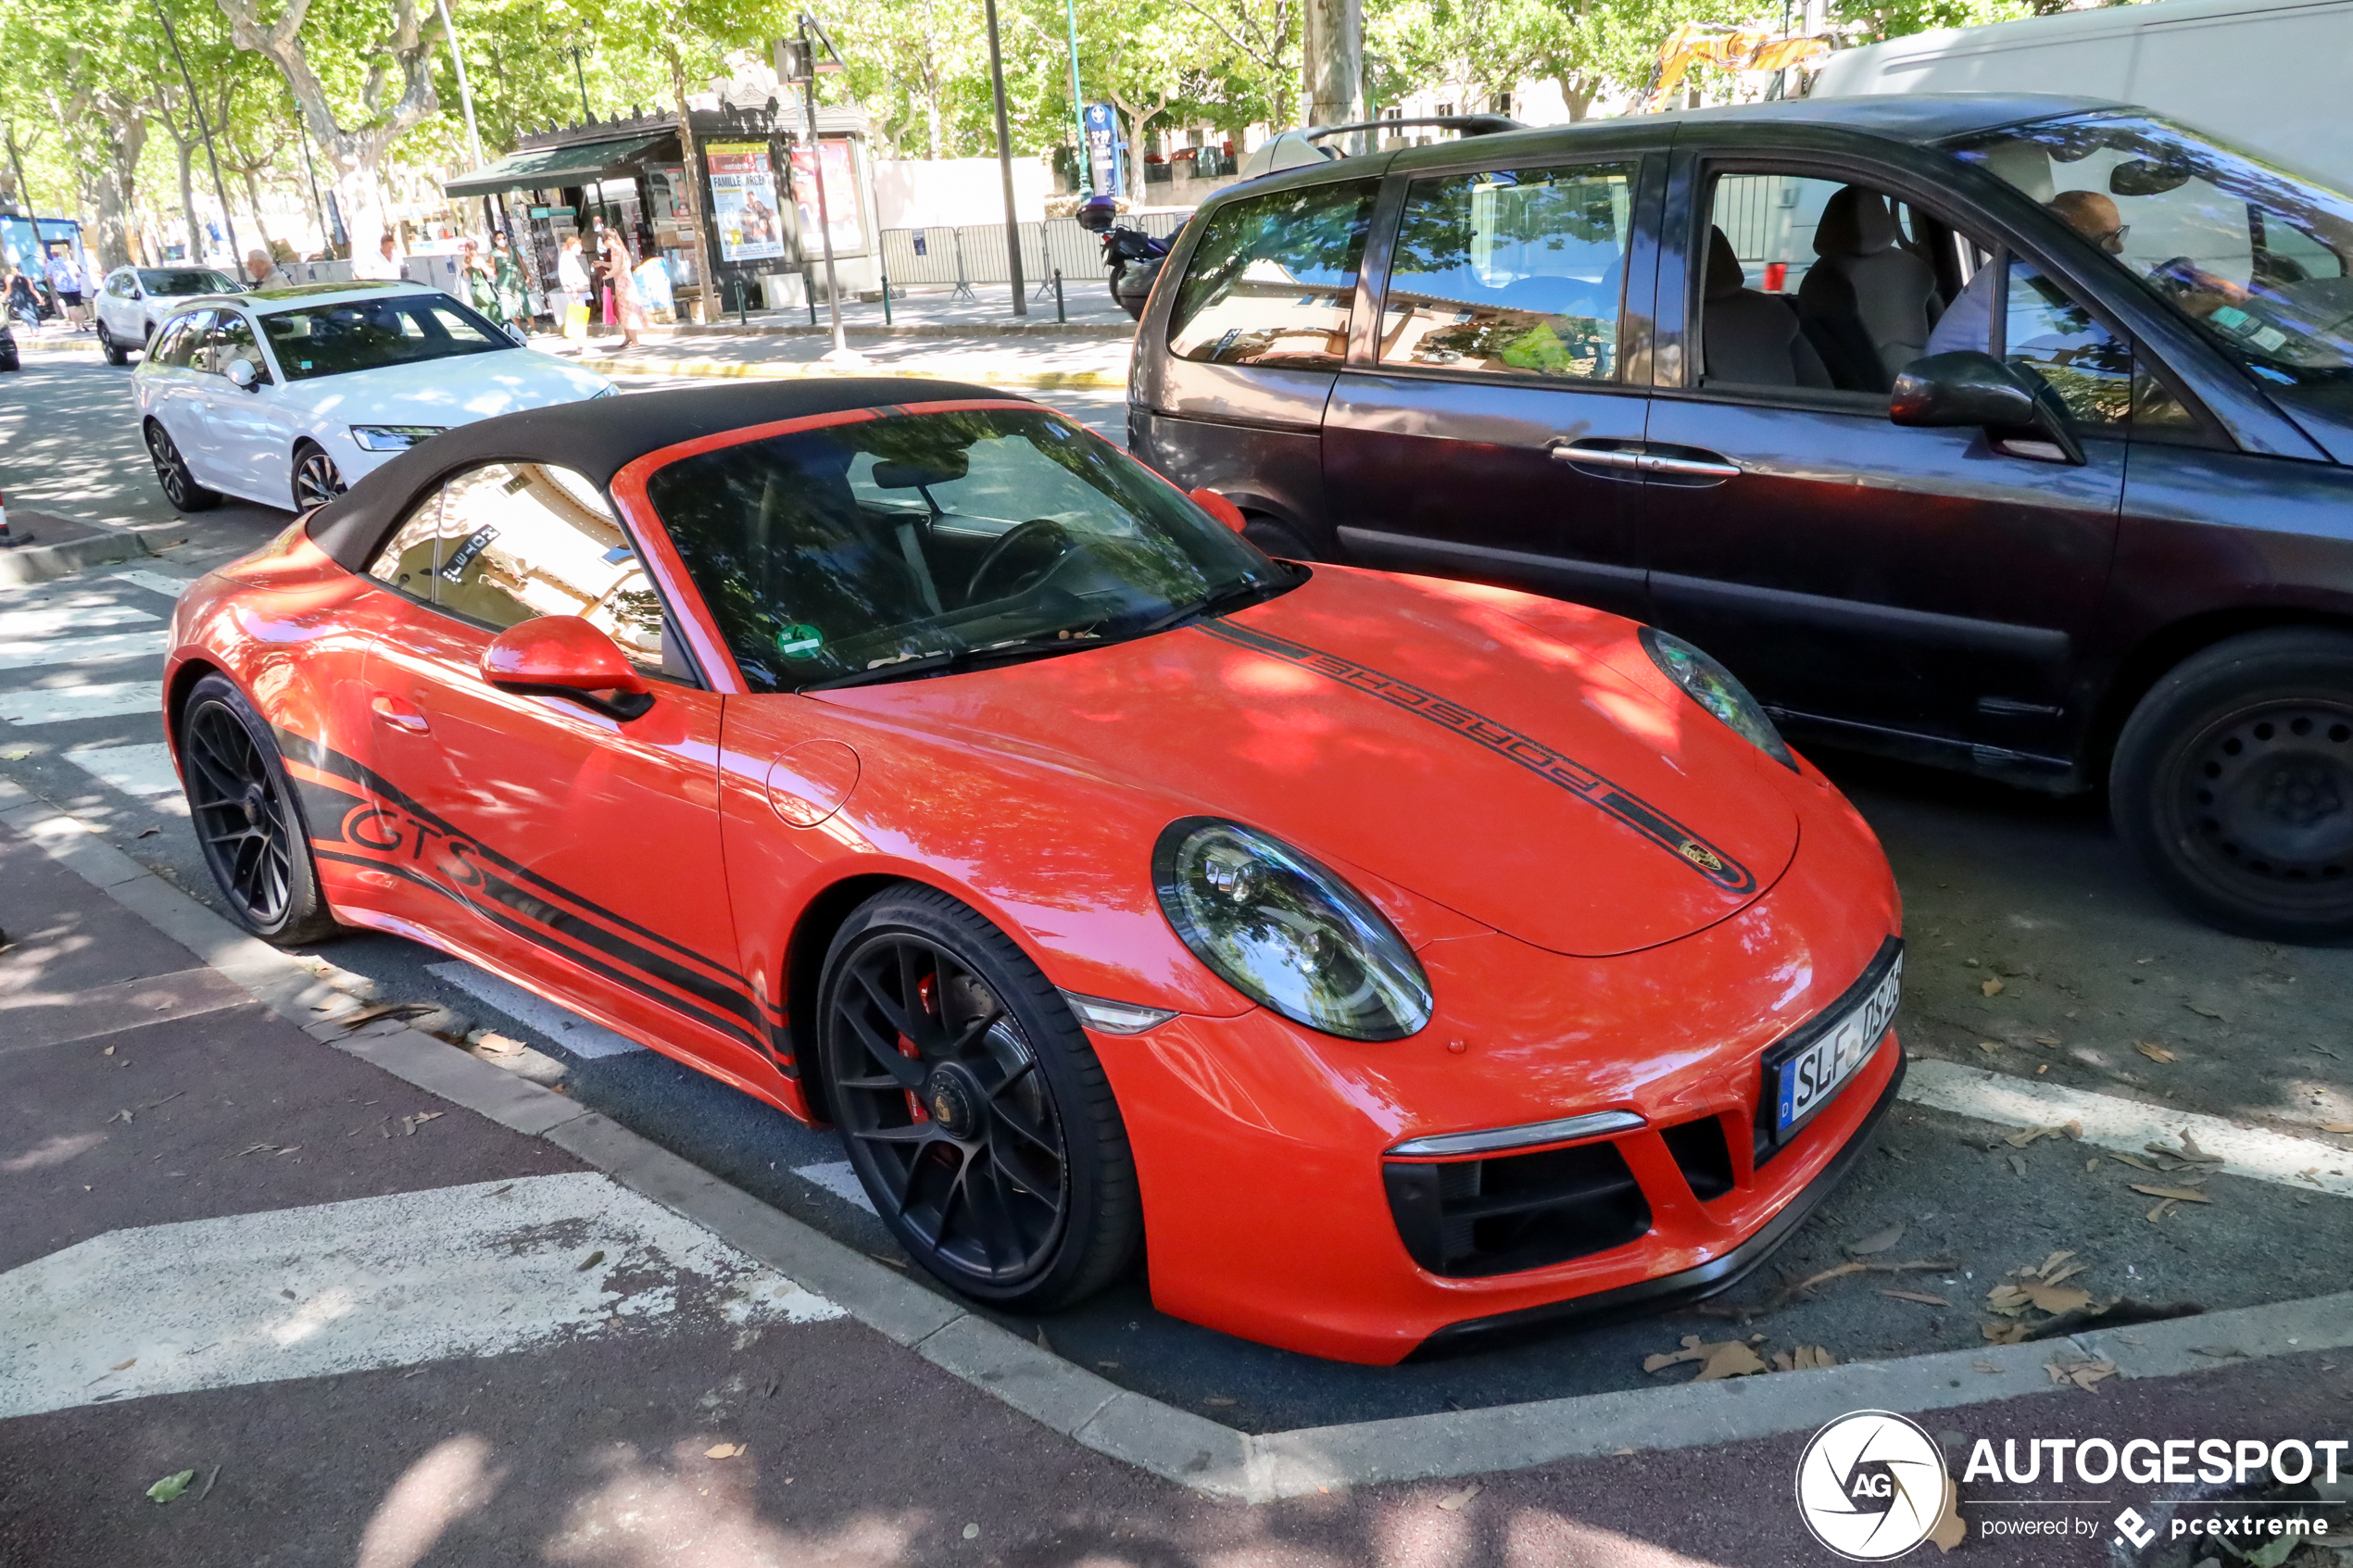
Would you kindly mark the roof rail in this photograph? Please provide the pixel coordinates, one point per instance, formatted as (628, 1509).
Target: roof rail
(1298, 149)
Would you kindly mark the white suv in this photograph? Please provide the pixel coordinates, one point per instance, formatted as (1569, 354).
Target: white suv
(135, 300)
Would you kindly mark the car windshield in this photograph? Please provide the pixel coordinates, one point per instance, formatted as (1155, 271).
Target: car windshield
(174, 283)
(366, 335)
(918, 543)
(2256, 257)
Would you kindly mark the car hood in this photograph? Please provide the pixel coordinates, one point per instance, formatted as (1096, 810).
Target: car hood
(1515, 759)
(446, 392)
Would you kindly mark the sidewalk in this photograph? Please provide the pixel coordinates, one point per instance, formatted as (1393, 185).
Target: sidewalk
(1039, 363)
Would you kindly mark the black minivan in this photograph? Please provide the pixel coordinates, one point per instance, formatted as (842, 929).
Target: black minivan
(2008, 433)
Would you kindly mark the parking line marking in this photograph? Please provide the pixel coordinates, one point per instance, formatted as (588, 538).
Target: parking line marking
(169, 587)
(479, 1270)
(31, 653)
(567, 1029)
(57, 705)
(141, 771)
(840, 1178)
(23, 623)
(2126, 1125)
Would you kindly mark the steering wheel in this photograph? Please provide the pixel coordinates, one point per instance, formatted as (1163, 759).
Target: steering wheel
(1035, 528)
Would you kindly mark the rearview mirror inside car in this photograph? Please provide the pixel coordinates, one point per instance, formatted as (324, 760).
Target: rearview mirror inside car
(940, 468)
(2021, 416)
(564, 655)
(1219, 508)
(2144, 177)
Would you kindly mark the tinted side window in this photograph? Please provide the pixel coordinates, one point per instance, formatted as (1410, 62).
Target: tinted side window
(413, 552)
(1271, 279)
(2047, 333)
(231, 338)
(183, 339)
(1511, 273)
(515, 541)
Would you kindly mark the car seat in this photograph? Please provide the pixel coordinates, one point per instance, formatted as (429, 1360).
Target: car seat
(1747, 337)
(1866, 304)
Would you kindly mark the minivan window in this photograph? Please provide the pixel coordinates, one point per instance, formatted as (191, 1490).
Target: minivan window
(1272, 277)
(1511, 273)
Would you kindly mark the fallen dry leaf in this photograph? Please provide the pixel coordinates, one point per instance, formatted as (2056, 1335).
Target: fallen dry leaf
(1808, 1357)
(2005, 1333)
(1731, 1359)
(1922, 1297)
(121, 1365)
(2152, 1050)
(722, 1451)
(2047, 1039)
(1878, 1241)
(2017, 1163)
(496, 1044)
(2068, 1273)
(2084, 1374)
(590, 1262)
(2027, 1135)
(2179, 1195)
(1692, 1350)
(2191, 1150)
(2135, 1161)
(2157, 1215)
(2044, 1268)
(1991, 989)
(2055, 1299)
(2008, 1300)
(2203, 1012)
(1988, 1046)
(1452, 1502)
(2336, 1126)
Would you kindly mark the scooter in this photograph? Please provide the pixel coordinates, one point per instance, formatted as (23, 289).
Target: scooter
(1131, 256)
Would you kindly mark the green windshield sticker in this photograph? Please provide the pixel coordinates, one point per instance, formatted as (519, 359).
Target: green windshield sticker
(800, 642)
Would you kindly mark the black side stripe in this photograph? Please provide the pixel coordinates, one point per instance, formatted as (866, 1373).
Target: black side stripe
(1553, 766)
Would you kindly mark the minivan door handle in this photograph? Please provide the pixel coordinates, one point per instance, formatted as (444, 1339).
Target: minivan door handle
(1629, 458)
(1706, 465)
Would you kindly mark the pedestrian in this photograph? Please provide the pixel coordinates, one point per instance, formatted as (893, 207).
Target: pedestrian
(23, 303)
(481, 286)
(65, 282)
(94, 282)
(263, 272)
(383, 267)
(622, 308)
(507, 273)
(571, 284)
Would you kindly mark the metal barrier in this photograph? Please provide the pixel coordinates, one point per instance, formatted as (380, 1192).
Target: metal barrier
(974, 252)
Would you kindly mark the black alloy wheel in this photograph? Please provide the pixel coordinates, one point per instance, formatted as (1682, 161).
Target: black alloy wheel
(245, 816)
(974, 1112)
(180, 486)
(317, 481)
(2234, 779)
(111, 349)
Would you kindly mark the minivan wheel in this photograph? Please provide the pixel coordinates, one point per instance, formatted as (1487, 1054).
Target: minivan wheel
(2233, 782)
(974, 1111)
(180, 486)
(1277, 539)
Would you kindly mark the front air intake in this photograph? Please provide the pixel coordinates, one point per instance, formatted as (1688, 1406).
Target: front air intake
(1466, 1218)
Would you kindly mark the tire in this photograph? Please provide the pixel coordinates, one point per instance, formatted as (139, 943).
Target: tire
(995, 1152)
(1277, 539)
(180, 486)
(115, 353)
(248, 818)
(2232, 781)
(317, 481)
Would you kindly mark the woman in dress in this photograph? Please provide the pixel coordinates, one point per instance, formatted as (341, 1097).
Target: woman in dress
(482, 287)
(506, 272)
(629, 313)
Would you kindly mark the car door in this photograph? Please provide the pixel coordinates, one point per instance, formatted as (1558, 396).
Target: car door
(1489, 422)
(575, 850)
(120, 309)
(1924, 590)
(175, 388)
(252, 434)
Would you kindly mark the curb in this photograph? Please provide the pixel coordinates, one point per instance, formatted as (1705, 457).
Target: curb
(1089, 330)
(38, 563)
(1038, 381)
(1175, 1445)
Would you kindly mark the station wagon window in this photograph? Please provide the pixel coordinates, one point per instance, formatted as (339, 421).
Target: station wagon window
(1272, 277)
(181, 339)
(508, 543)
(231, 338)
(1511, 273)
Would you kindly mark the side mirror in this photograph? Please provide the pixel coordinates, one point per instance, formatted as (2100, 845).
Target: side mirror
(521, 339)
(1219, 508)
(242, 375)
(564, 655)
(2023, 418)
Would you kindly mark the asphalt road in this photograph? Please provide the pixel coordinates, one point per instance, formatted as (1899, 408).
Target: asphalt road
(1998, 886)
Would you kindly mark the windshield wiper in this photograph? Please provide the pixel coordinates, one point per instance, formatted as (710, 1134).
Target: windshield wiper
(1042, 645)
(1241, 596)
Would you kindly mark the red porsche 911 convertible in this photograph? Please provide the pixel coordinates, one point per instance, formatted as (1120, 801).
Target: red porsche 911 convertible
(1389, 963)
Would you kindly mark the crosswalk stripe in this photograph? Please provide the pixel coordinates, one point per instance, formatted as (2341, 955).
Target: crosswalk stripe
(143, 770)
(57, 705)
(479, 1270)
(840, 1178)
(17, 624)
(171, 587)
(567, 1029)
(34, 652)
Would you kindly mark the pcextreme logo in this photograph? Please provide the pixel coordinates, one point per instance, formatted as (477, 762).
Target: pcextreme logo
(1871, 1486)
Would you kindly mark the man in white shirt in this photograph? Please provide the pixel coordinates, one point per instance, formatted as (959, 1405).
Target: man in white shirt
(262, 271)
(385, 266)
(65, 282)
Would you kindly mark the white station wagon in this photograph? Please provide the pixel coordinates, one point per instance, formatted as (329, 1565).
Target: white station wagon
(287, 397)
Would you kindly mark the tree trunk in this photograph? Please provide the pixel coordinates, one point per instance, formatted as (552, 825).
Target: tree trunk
(1332, 62)
(253, 199)
(706, 294)
(931, 116)
(188, 200)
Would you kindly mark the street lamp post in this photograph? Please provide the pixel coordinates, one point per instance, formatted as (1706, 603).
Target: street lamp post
(581, 77)
(220, 186)
(1005, 163)
(812, 35)
(465, 92)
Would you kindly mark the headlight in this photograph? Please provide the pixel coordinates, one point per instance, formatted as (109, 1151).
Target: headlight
(1284, 931)
(1714, 688)
(392, 438)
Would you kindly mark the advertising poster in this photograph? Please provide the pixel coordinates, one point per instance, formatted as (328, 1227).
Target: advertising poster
(841, 195)
(743, 201)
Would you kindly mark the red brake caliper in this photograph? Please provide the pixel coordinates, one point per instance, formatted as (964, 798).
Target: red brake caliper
(927, 998)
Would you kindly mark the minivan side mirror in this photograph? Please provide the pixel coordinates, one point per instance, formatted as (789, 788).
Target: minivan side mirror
(565, 656)
(2022, 417)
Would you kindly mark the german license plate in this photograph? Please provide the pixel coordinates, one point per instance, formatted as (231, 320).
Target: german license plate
(1811, 1078)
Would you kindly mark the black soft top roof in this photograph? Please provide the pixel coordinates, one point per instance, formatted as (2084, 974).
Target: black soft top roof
(598, 438)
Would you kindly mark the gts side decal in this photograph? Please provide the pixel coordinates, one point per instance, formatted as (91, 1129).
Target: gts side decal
(1554, 767)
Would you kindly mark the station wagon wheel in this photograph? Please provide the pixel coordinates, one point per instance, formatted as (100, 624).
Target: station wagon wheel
(247, 822)
(974, 1112)
(180, 486)
(2235, 781)
(317, 481)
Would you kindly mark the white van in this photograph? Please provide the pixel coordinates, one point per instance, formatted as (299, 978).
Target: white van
(2270, 75)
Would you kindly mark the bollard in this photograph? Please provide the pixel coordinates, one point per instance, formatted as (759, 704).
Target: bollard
(743, 313)
(886, 282)
(1060, 315)
(809, 291)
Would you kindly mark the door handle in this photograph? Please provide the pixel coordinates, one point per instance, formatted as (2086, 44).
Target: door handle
(399, 715)
(1598, 457)
(1643, 461)
(1709, 467)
